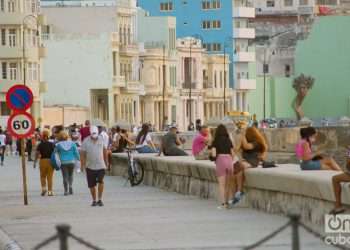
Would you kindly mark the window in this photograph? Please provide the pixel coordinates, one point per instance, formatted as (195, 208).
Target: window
(4, 70)
(172, 76)
(287, 70)
(2, 5)
(11, 6)
(13, 71)
(12, 38)
(3, 37)
(166, 6)
(216, 4)
(205, 25)
(216, 24)
(288, 3)
(216, 47)
(205, 5)
(215, 80)
(270, 3)
(207, 46)
(303, 2)
(114, 56)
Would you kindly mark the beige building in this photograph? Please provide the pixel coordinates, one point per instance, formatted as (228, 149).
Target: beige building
(183, 102)
(21, 51)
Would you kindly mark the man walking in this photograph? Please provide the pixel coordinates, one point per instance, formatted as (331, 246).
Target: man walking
(94, 160)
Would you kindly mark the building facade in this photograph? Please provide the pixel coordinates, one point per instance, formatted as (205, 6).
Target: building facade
(223, 27)
(21, 51)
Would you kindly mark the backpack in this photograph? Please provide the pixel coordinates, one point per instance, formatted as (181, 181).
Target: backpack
(55, 160)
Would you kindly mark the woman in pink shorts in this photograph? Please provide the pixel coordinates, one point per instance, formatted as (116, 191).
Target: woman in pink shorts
(222, 150)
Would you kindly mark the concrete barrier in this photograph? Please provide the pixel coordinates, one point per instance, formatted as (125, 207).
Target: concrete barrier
(278, 190)
(6, 243)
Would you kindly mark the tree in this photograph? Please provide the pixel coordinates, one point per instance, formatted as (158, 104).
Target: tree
(302, 84)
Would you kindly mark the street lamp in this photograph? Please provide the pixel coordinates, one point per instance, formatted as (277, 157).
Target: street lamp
(196, 36)
(265, 65)
(164, 86)
(24, 43)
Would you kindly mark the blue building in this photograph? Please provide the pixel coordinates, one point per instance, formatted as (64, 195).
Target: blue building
(223, 26)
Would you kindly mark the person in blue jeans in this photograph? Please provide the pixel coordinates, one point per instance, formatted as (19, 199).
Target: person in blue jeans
(144, 143)
(69, 155)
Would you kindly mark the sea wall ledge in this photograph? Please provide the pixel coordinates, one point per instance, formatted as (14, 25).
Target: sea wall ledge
(280, 190)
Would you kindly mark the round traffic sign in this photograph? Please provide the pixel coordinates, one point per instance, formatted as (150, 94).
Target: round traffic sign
(19, 98)
(21, 125)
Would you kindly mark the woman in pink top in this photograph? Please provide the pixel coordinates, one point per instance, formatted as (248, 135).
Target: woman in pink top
(308, 161)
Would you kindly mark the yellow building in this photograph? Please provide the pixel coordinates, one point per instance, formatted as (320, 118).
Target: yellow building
(21, 51)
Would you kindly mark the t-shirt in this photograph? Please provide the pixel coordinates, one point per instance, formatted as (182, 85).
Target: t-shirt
(145, 142)
(94, 153)
(223, 145)
(198, 144)
(169, 141)
(45, 148)
(105, 138)
(84, 132)
(2, 140)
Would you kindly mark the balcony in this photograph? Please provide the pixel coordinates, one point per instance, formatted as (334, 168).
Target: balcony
(245, 84)
(119, 81)
(135, 87)
(244, 57)
(244, 12)
(246, 33)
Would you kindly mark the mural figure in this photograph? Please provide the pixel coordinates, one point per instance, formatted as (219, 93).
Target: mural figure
(302, 84)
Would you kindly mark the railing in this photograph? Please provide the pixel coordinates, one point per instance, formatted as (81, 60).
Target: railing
(63, 234)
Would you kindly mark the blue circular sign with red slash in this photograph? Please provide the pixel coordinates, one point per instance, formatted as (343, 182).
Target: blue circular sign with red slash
(19, 98)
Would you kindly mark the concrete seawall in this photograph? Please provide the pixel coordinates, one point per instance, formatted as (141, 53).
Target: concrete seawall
(279, 190)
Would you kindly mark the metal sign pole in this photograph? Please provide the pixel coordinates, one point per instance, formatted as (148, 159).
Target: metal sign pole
(24, 173)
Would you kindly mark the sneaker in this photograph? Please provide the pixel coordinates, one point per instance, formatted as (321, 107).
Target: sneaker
(94, 204)
(43, 193)
(70, 191)
(50, 193)
(237, 198)
(100, 203)
(223, 206)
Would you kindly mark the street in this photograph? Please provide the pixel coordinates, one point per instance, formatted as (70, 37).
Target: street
(132, 218)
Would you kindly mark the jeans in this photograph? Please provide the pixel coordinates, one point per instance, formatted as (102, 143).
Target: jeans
(67, 174)
(146, 150)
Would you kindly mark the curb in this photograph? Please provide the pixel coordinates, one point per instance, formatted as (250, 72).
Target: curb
(6, 243)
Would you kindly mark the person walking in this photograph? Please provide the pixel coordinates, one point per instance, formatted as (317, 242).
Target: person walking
(29, 148)
(222, 151)
(44, 152)
(2, 146)
(68, 153)
(94, 161)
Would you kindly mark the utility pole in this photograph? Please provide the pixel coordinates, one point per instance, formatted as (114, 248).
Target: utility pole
(264, 89)
(190, 80)
(225, 81)
(164, 86)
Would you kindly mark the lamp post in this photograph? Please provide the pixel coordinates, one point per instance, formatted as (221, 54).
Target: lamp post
(24, 43)
(164, 86)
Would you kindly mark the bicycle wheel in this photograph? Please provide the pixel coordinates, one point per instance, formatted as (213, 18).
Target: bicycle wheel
(138, 175)
(130, 175)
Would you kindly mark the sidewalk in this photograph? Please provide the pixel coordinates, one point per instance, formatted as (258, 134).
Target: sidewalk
(133, 218)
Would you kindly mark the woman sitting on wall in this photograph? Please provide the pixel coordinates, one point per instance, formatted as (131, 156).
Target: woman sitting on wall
(144, 143)
(308, 161)
(253, 147)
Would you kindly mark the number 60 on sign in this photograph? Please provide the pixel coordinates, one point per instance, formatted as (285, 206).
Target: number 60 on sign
(21, 125)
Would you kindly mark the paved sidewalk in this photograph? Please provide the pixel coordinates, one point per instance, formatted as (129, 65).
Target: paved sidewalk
(133, 218)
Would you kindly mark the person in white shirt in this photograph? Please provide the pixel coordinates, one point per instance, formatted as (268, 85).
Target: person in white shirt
(2, 146)
(144, 143)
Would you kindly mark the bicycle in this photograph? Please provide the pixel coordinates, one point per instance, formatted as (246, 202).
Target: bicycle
(136, 171)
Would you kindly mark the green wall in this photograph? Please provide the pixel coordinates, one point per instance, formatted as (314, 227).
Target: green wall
(326, 56)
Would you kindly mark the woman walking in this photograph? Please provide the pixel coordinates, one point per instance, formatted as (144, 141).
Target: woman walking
(144, 143)
(44, 152)
(68, 153)
(223, 152)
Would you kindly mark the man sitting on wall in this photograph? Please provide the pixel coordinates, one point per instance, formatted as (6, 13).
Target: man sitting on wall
(200, 144)
(170, 143)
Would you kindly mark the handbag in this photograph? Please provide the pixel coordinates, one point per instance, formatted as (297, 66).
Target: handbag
(269, 164)
(55, 160)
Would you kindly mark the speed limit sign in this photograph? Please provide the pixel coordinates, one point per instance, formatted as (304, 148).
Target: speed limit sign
(21, 125)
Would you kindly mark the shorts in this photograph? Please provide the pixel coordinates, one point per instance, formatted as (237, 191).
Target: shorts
(310, 165)
(94, 177)
(224, 165)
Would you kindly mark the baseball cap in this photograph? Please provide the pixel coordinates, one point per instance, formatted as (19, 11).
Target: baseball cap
(93, 130)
